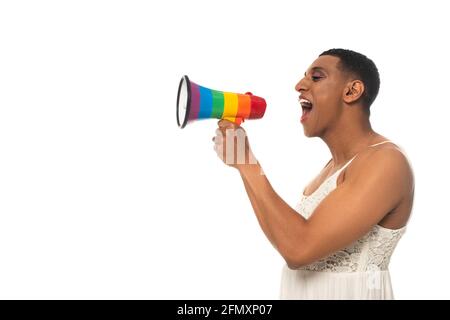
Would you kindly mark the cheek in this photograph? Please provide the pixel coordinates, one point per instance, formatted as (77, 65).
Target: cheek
(327, 98)
(325, 92)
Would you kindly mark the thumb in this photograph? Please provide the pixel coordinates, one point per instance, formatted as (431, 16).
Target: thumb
(226, 124)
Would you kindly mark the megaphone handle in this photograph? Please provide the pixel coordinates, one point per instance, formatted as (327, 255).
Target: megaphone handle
(238, 121)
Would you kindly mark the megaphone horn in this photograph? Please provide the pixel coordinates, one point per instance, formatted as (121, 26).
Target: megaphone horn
(195, 102)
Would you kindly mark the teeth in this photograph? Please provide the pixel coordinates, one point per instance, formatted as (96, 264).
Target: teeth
(305, 103)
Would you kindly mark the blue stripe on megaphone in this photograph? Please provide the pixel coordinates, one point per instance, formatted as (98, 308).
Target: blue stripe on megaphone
(206, 103)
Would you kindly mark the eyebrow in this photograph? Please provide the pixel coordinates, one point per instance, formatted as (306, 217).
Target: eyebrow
(317, 69)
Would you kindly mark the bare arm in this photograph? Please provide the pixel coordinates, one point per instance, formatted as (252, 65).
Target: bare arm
(258, 212)
(344, 216)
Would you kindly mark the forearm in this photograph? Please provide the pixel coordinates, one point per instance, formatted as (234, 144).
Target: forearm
(284, 227)
(258, 212)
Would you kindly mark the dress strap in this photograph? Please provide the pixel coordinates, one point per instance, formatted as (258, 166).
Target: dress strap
(345, 165)
(372, 145)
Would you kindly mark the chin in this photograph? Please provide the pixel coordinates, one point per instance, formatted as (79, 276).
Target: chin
(309, 134)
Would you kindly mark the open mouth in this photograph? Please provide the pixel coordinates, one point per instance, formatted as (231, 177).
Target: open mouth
(306, 107)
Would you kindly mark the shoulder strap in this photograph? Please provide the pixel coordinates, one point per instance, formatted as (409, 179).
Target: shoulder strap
(345, 165)
(372, 145)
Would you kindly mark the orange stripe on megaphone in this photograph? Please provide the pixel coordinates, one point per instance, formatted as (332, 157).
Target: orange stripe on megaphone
(231, 103)
(245, 105)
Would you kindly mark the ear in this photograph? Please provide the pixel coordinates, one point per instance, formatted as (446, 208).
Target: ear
(353, 91)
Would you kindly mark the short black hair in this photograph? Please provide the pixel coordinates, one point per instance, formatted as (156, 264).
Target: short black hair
(363, 68)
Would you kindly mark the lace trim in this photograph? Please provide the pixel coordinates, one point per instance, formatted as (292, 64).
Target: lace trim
(378, 244)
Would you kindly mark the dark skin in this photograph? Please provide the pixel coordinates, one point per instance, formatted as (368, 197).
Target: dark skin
(376, 188)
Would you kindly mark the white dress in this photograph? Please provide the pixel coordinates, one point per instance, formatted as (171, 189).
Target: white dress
(359, 271)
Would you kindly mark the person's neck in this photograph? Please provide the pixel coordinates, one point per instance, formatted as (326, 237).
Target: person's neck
(346, 140)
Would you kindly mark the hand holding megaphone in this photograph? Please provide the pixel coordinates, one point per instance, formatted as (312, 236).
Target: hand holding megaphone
(195, 102)
(232, 146)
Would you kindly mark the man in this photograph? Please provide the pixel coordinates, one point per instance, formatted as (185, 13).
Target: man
(363, 196)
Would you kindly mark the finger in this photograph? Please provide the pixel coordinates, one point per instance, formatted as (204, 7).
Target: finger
(226, 124)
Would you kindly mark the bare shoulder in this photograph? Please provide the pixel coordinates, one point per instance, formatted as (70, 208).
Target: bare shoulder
(387, 163)
(386, 160)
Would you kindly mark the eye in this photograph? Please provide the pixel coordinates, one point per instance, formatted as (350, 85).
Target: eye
(316, 77)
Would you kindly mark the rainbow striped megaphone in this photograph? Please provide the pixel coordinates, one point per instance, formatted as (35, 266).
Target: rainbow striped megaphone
(195, 102)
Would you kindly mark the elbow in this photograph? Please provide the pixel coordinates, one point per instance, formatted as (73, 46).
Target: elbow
(297, 260)
(299, 253)
(295, 264)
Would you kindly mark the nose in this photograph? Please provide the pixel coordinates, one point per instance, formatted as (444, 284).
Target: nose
(301, 85)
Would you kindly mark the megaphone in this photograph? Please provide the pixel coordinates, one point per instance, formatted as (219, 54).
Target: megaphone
(195, 102)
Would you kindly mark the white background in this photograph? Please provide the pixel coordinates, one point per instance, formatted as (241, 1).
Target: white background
(103, 196)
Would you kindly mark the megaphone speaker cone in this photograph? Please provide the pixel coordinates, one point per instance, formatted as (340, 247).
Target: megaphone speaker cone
(183, 101)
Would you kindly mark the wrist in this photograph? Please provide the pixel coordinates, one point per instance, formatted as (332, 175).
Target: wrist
(250, 169)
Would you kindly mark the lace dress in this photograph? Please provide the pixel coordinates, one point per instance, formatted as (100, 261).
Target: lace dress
(359, 271)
